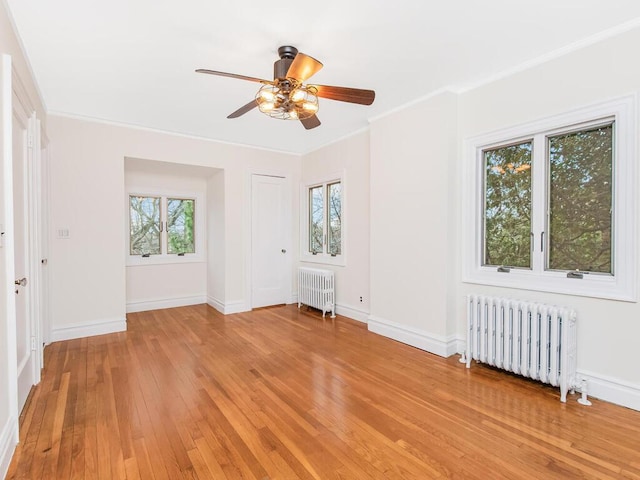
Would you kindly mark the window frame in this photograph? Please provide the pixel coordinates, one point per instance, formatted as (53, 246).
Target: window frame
(199, 227)
(621, 285)
(305, 224)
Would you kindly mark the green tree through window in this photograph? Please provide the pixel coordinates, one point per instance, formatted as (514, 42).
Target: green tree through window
(508, 206)
(580, 200)
(144, 222)
(180, 214)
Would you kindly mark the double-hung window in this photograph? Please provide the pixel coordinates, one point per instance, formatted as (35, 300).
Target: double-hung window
(162, 226)
(323, 221)
(550, 205)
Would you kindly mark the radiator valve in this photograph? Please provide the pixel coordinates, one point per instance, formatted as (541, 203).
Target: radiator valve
(583, 400)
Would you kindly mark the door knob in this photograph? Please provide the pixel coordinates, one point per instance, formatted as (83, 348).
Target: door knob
(22, 282)
(283, 250)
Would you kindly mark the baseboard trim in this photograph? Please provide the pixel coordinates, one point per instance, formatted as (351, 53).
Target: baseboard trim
(229, 307)
(342, 309)
(437, 344)
(157, 304)
(88, 329)
(611, 389)
(352, 313)
(8, 442)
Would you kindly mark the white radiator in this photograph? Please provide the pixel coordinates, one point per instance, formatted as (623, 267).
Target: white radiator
(316, 289)
(531, 339)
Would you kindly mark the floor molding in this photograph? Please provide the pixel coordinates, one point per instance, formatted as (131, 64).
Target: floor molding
(352, 313)
(611, 389)
(229, 307)
(437, 344)
(8, 442)
(157, 304)
(88, 329)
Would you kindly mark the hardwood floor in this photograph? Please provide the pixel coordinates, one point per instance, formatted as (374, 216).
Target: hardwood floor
(278, 393)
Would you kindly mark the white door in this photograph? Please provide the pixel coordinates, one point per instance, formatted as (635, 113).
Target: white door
(270, 233)
(8, 395)
(25, 339)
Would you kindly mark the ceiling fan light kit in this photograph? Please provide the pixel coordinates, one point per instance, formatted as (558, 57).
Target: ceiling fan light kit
(287, 102)
(287, 97)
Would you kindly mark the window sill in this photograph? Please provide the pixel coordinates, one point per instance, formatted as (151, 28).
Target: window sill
(338, 260)
(139, 261)
(592, 285)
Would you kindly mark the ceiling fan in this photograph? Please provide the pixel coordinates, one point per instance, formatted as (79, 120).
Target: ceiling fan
(287, 96)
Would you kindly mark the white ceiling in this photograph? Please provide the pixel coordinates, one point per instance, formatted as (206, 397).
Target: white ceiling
(133, 61)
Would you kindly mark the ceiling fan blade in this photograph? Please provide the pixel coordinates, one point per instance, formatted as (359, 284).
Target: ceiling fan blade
(345, 94)
(303, 67)
(244, 109)
(311, 122)
(233, 75)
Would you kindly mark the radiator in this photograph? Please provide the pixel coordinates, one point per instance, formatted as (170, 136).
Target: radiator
(316, 289)
(530, 339)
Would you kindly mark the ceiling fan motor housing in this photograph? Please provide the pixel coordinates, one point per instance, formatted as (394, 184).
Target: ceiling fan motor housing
(281, 67)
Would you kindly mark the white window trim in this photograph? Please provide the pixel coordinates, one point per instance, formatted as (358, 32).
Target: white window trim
(620, 286)
(322, 258)
(164, 258)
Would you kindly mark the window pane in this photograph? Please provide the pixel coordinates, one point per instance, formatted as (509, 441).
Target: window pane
(316, 216)
(507, 212)
(334, 193)
(144, 222)
(580, 206)
(180, 225)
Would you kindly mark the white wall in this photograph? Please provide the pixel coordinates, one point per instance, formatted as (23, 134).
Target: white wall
(350, 156)
(28, 95)
(87, 192)
(412, 251)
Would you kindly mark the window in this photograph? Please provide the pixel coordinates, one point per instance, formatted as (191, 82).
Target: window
(323, 235)
(161, 226)
(553, 205)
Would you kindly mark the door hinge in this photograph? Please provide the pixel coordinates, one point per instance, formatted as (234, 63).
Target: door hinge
(33, 344)
(30, 140)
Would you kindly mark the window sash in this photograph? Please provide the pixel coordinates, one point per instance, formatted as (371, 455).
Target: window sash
(507, 176)
(334, 220)
(180, 238)
(567, 211)
(316, 220)
(145, 213)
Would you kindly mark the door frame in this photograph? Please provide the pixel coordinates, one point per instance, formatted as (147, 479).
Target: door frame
(289, 243)
(24, 111)
(6, 123)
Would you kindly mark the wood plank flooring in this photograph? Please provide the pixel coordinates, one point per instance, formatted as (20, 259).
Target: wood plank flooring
(188, 393)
